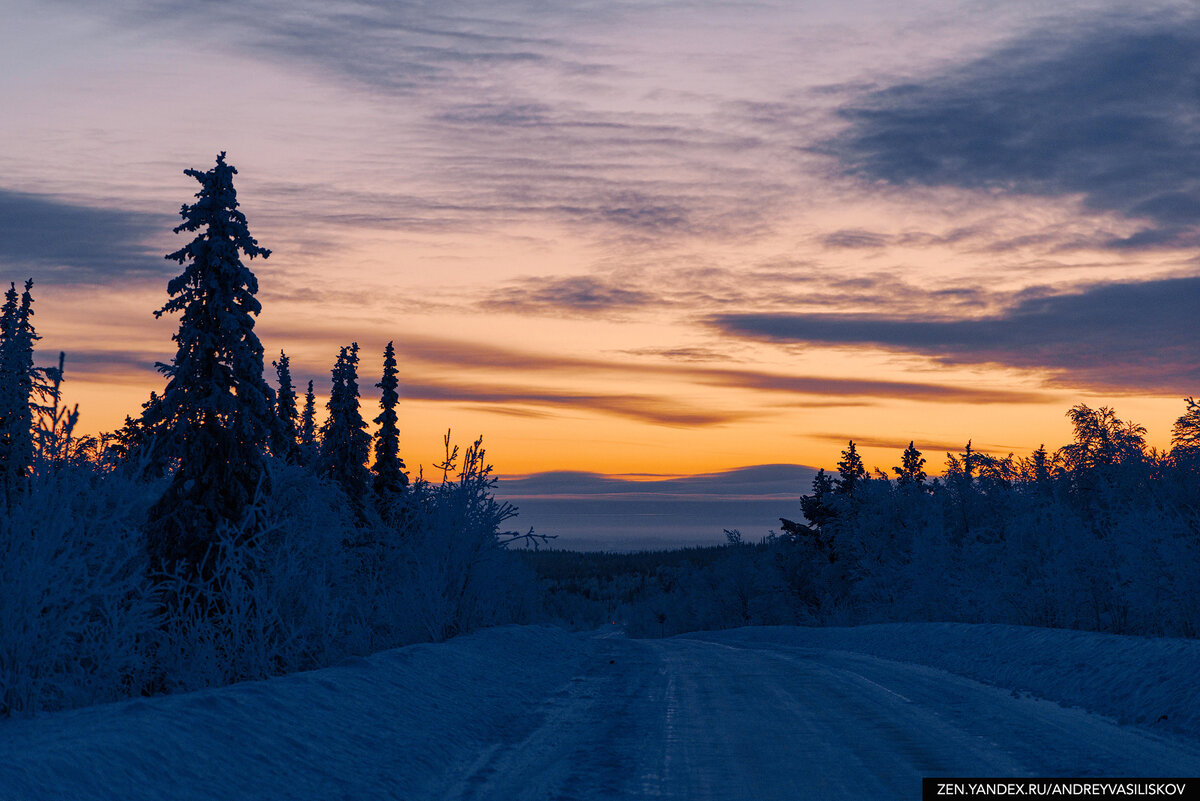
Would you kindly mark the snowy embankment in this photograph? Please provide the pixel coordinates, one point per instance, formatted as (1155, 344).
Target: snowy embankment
(384, 724)
(1136, 680)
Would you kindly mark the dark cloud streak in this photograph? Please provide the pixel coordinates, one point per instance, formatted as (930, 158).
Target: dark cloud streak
(71, 243)
(645, 408)
(1123, 337)
(474, 355)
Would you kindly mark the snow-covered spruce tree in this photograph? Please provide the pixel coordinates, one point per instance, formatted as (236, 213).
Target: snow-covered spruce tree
(18, 380)
(345, 444)
(911, 471)
(308, 427)
(216, 415)
(283, 439)
(1185, 435)
(390, 479)
(851, 471)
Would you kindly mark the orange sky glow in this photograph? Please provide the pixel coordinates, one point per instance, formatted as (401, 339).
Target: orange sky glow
(656, 240)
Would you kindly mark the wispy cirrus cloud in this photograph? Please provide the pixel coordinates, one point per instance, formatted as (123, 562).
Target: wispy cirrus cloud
(504, 111)
(1129, 337)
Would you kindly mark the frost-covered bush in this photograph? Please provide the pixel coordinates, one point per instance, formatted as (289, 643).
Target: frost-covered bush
(75, 606)
(456, 572)
(304, 580)
(282, 595)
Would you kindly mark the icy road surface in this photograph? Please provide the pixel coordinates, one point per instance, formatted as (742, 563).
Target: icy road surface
(532, 713)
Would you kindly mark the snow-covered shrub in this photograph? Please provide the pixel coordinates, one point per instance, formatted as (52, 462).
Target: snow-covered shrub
(282, 594)
(75, 606)
(457, 573)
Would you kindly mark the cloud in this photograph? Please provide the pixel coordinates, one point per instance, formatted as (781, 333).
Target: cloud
(854, 238)
(892, 443)
(680, 354)
(502, 112)
(460, 354)
(1104, 112)
(68, 243)
(644, 408)
(1123, 337)
(863, 388)
(629, 290)
(105, 366)
(565, 296)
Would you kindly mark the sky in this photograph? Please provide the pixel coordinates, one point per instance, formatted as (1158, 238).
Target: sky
(636, 239)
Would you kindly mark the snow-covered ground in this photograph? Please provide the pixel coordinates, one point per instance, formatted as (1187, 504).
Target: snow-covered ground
(1154, 681)
(533, 713)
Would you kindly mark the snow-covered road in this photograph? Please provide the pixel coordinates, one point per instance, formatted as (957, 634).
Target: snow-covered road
(691, 719)
(541, 714)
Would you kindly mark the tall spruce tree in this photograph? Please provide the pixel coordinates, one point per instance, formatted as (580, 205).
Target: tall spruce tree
(390, 478)
(308, 427)
(216, 415)
(18, 380)
(345, 444)
(284, 442)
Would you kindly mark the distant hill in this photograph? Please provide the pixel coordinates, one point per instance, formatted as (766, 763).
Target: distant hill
(591, 511)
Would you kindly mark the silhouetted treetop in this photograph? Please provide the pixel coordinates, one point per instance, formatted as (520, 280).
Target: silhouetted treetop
(911, 471)
(851, 470)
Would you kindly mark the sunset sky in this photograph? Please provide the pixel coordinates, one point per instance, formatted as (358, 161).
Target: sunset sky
(635, 238)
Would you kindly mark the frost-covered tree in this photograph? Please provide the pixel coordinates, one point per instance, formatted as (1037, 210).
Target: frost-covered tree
(1101, 439)
(345, 444)
(55, 442)
(1185, 434)
(911, 471)
(851, 471)
(820, 511)
(1037, 468)
(134, 441)
(18, 380)
(217, 412)
(308, 426)
(283, 443)
(390, 478)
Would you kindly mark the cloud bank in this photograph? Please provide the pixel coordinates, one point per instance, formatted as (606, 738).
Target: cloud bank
(1105, 112)
(1126, 337)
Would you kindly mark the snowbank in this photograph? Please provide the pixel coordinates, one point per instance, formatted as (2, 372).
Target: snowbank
(1131, 679)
